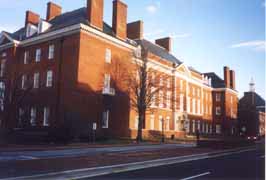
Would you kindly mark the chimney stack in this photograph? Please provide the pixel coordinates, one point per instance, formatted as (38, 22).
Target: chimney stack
(53, 10)
(135, 30)
(227, 77)
(166, 43)
(95, 13)
(120, 19)
(232, 79)
(31, 18)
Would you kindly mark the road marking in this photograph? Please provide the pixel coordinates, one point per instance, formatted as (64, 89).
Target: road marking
(28, 157)
(96, 171)
(199, 175)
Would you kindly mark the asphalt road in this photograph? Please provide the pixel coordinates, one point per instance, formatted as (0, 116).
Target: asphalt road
(29, 155)
(245, 166)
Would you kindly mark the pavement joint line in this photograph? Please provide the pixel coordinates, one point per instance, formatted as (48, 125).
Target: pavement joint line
(104, 170)
(196, 176)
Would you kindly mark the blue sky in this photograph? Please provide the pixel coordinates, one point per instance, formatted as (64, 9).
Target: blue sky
(207, 34)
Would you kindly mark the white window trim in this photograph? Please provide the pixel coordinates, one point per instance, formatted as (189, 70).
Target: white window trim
(106, 118)
(38, 55)
(51, 51)
(33, 116)
(49, 78)
(46, 116)
(218, 111)
(36, 80)
(26, 57)
(108, 55)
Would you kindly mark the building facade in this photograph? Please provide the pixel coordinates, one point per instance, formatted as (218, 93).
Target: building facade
(60, 70)
(252, 114)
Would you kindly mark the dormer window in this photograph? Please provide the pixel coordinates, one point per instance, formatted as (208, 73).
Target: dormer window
(31, 30)
(43, 26)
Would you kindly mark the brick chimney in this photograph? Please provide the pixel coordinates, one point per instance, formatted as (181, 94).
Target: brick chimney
(232, 79)
(166, 43)
(227, 76)
(31, 18)
(135, 30)
(53, 10)
(120, 19)
(95, 13)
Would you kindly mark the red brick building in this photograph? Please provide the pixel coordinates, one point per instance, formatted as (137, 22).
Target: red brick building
(58, 70)
(251, 113)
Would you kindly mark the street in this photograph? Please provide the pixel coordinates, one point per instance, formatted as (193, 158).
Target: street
(244, 165)
(30, 155)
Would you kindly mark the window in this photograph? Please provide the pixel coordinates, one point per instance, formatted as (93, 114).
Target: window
(198, 107)
(36, 80)
(168, 99)
(26, 57)
(218, 110)
(167, 124)
(181, 85)
(51, 52)
(38, 55)
(23, 81)
(105, 123)
(20, 114)
(136, 122)
(2, 95)
(218, 97)
(152, 122)
(188, 104)
(160, 123)
(46, 116)
(193, 126)
(160, 99)
(161, 81)
(194, 106)
(49, 78)
(181, 106)
(153, 98)
(107, 80)
(218, 129)
(2, 68)
(193, 91)
(108, 56)
(199, 126)
(198, 92)
(33, 116)
(168, 83)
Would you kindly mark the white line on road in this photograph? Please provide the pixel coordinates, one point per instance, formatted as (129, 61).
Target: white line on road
(28, 157)
(199, 175)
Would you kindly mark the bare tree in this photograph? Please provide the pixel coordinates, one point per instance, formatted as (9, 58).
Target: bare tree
(143, 83)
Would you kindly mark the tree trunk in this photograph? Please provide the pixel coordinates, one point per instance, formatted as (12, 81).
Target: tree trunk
(140, 125)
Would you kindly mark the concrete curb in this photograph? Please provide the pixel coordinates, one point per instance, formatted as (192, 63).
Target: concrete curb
(97, 171)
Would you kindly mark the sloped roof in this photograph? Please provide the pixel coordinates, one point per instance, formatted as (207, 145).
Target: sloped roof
(258, 100)
(158, 51)
(217, 82)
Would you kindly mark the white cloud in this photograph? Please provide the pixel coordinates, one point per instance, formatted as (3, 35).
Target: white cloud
(177, 36)
(153, 8)
(257, 45)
